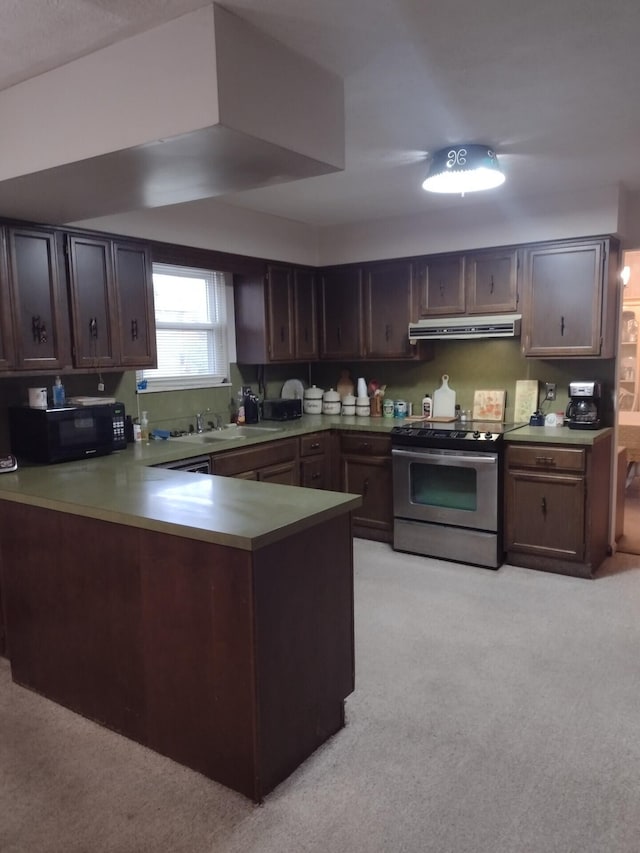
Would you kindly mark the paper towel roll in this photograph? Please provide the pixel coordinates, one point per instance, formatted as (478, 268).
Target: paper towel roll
(37, 398)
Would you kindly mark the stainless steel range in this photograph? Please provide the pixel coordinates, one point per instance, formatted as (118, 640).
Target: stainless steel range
(447, 490)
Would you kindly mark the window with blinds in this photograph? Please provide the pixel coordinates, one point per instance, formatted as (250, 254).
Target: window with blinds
(191, 329)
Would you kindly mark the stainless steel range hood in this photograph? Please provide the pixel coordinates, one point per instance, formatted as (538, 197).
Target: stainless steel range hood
(465, 328)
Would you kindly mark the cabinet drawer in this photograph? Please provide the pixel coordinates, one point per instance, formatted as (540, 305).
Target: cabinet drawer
(313, 473)
(365, 444)
(314, 444)
(234, 462)
(547, 457)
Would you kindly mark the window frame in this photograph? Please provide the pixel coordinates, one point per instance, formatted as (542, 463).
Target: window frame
(147, 384)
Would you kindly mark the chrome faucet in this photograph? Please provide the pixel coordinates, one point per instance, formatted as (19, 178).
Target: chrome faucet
(199, 427)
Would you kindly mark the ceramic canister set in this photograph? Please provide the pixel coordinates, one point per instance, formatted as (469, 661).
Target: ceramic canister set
(344, 401)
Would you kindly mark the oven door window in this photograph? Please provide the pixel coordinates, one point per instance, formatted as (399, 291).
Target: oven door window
(446, 486)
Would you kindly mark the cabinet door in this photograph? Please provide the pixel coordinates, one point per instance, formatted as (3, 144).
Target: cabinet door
(492, 281)
(371, 478)
(7, 350)
(441, 284)
(629, 359)
(545, 514)
(92, 301)
(306, 318)
(285, 473)
(563, 290)
(136, 322)
(314, 473)
(280, 313)
(341, 313)
(38, 300)
(388, 310)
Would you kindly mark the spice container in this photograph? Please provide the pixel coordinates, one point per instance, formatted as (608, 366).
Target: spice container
(387, 409)
(348, 405)
(363, 408)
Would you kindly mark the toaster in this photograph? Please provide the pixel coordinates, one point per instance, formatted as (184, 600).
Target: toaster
(281, 410)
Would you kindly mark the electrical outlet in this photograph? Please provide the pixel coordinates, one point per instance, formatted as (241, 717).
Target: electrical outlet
(549, 390)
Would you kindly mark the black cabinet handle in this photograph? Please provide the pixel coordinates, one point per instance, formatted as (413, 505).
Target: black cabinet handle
(339, 330)
(315, 445)
(562, 326)
(491, 286)
(543, 506)
(315, 475)
(387, 332)
(364, 445)
(93, 328)
(134, 330)
(365, 487)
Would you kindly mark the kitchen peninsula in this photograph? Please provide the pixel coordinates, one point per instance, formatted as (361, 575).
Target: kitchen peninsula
(208, 618)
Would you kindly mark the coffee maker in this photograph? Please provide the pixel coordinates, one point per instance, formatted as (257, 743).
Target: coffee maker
(583, 410)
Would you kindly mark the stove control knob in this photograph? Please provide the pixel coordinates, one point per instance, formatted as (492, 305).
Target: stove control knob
(488, 436)
(476, 434)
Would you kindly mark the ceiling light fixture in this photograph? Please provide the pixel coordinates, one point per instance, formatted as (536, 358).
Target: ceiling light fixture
(463, 169)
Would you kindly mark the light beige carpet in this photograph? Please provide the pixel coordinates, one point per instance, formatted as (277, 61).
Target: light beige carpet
(495, 712)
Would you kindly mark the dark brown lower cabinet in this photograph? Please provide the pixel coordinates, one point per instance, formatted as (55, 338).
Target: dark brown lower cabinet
(233, 662)
(315, 460)
(366, 470)
(557, 506)
(273, 462)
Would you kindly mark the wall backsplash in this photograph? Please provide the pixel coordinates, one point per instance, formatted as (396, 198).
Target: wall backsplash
(471, 366)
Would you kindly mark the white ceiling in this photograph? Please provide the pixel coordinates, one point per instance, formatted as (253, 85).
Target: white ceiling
(551, 85)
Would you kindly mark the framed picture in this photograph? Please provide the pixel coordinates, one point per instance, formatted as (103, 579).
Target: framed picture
(489, 405)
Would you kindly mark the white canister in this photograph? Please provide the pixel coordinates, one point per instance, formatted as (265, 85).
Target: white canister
(363, 407)
(331, 402)
(361, 387)
(37, 398)
(348, 404)
(312, 401)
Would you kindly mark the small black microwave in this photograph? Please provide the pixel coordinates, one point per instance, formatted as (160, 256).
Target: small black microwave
(60, 435)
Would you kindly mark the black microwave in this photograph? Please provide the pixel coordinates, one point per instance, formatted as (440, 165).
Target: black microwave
(60, 435)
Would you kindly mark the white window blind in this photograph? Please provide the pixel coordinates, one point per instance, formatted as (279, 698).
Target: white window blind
(191, 329)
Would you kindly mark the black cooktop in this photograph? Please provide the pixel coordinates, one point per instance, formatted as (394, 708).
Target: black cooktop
(431, 432)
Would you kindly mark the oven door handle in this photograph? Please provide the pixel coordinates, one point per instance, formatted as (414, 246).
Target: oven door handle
(488, 459)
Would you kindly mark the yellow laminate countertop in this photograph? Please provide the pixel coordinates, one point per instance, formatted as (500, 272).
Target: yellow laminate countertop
(125, 488)
(222, 510)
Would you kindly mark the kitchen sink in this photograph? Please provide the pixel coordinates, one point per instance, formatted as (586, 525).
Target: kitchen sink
(228, 434)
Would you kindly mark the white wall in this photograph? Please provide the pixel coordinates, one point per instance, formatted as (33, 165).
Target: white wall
(475, 225)
(212, 224)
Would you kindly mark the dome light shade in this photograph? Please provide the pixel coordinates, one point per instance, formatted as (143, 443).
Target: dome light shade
(463, 169)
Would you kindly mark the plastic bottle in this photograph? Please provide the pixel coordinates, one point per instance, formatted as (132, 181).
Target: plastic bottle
(144, 427)
(427, 406)
(137, 434)
(240, 416)
(58, 393)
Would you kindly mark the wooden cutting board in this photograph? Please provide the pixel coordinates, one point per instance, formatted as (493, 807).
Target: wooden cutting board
(444, 400)
(526, 401)
(489, 405)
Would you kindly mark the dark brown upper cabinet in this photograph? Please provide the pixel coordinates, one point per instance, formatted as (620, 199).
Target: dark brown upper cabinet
(276, 316)
(441, 285)
(306, 314)
(135, 321)
(389, 307)
(38, 298)
(341, 313)
(7, 346)
(92, 291)
(491, 281)
(569, 299)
